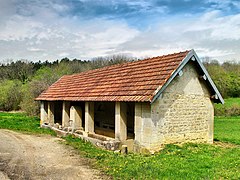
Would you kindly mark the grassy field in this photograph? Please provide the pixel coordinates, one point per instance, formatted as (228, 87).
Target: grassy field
(21, 122)
(189, 161)
(227, 129)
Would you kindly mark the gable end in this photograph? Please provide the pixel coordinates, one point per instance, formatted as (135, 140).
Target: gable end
(178, 72)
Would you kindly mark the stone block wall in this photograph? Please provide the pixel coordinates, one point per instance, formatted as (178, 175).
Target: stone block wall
(143, 124)
(183, 113)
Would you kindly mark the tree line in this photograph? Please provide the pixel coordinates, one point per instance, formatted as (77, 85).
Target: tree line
(226, 76)
(22, 81)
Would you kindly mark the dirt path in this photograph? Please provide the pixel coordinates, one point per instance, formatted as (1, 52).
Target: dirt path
(40, 157)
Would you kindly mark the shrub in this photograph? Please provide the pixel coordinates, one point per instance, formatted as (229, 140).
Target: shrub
(230, 108)
(10, 95)
(28, 104)
(43, 78)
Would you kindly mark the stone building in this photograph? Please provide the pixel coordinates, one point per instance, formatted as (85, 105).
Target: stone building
(142, 104)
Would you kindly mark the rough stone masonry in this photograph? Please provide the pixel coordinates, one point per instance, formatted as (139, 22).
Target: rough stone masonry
(183, 113)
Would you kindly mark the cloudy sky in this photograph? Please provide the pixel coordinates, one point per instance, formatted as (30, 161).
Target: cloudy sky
(83, 29)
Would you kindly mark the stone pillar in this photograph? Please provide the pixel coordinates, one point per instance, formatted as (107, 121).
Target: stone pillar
(121, 121)
(138, 123)
(76, 117)
(89, 117)
(51, 113)
(143, 128)
(43, 113)
(66, 114)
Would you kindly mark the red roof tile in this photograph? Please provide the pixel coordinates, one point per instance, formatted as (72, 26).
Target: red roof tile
(133, 81)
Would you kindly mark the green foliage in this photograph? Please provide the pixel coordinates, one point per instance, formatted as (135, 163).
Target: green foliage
(10, 94)
(227, 129)
(110, 60)
(226, 77)
(20, 70)
(231, 107)
(28, 105)
(42, 79)
(22, 122)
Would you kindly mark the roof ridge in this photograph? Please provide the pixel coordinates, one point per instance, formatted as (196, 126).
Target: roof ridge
(131, 62)
(165, 55)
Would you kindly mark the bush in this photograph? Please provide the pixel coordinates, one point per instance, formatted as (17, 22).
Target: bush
(28, 104)
(234, 110)
(226, 77)
(10, 95)
(43, 78)
(230, 108)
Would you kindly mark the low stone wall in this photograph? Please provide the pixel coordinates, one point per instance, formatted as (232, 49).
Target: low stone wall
(96, 139)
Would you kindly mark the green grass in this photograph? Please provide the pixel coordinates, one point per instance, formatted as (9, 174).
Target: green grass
(189, 161)
(227, 129)
(23, 123)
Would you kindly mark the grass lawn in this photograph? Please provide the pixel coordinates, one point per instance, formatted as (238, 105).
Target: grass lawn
(189, 161)
(23, 123)
(227, 129)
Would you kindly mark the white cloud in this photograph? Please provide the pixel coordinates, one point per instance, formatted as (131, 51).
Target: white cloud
(18, 28)
(64, 54)
(211, 34)
(34, 49)
(38, 32)
(61, 37)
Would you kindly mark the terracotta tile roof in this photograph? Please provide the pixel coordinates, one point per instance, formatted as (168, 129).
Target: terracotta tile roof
(133, 81)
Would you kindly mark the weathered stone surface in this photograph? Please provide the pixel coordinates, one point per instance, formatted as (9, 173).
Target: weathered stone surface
(76, 117)
(89, 117)
(45, 125)
(183, 113)
(124, 149)
(56, 125)
(60, 133)
(51, 113)
(121, 121)
(79, 132)
(43, 112)
(66, 114)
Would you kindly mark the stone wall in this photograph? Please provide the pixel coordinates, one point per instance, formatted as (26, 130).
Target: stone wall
(183, 113)
(143, 126)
